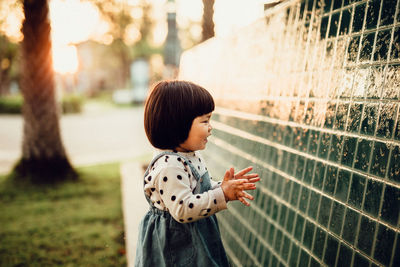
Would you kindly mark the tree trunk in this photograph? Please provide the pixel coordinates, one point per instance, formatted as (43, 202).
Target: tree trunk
(43, 155)
(208, 22)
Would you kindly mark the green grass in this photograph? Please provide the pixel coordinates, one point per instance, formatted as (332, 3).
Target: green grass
(71, 224)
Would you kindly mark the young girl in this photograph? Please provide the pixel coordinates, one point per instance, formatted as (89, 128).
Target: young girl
(181, 229)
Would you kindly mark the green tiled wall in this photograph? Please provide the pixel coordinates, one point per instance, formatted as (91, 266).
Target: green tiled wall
(309, 96)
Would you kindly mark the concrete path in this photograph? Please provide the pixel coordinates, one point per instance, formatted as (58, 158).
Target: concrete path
(92, 137)
(134, 205)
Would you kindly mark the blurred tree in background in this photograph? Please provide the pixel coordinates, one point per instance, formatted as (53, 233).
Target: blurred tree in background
(207, 22)
(43, 154)
(8, 58)
(119, 16)
(143, 48)
(9, 68)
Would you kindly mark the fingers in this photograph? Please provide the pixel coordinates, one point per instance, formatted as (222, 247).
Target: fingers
(241, 197)
(244, 201)
(242, 174)
(249, 176)
(248, 186)
(253, 180)
(244, 184)
(244, 171)
(229, 174)
(226, 177)
(247, 195)
(234, 185)
(232, 173)
(252, 177)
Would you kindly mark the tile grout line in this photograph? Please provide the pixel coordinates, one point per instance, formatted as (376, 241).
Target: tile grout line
(331, 67)
(375, 134)
(342, 145)
(309, 195)
(395, 241)
(396, 13)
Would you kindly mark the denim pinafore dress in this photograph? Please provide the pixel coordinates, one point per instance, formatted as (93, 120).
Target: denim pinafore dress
(165, 242)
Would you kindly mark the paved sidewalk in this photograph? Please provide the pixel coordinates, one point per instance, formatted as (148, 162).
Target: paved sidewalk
(89, 138)
(134, 205)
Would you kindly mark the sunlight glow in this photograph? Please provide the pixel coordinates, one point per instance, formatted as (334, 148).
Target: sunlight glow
(189, 10)
(136, 13)
(231, 15)
(65, 59)
(11, 21)
(132, 34)
(160, 28)
(72, 22)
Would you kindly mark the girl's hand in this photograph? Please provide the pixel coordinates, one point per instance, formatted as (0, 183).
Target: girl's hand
(234, 185)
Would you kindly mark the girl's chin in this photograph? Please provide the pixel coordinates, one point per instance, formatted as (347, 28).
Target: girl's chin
(202, 147)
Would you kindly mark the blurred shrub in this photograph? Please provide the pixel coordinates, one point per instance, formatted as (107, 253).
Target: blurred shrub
(13, 104)
(72, 104)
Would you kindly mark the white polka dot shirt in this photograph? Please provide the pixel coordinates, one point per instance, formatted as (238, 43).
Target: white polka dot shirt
(170, 185)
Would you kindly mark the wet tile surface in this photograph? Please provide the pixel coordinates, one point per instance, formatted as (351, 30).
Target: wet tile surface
(322, 128)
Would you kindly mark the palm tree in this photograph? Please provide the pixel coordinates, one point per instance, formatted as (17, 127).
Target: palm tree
(43, 155)
(208, 22)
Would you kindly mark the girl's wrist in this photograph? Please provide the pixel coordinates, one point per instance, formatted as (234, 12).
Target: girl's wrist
(225, 194)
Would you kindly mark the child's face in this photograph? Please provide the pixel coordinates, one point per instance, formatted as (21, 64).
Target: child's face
(200, 130)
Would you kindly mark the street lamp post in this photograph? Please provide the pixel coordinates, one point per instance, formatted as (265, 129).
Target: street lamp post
(172, 48)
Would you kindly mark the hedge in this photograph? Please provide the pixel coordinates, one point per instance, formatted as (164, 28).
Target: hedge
(13, 104)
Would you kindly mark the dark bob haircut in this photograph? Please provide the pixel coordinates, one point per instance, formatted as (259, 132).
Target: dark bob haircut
(170, 110)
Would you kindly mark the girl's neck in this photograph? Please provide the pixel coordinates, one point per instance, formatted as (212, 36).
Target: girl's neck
(181, 149)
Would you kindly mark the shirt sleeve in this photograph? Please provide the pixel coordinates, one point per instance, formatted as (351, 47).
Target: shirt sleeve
(215, 184)
(173, 184)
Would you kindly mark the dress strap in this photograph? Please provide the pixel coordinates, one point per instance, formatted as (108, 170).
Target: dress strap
(194, 171)
(148, 170)
(159, 156)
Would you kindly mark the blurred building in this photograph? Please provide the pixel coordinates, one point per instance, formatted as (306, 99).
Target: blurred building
(97, 71)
